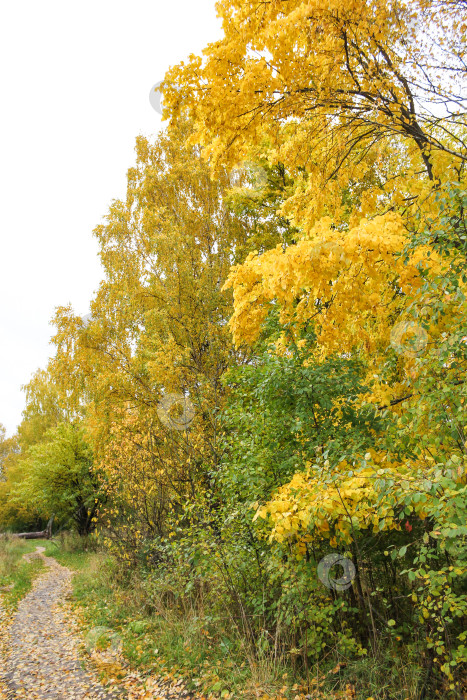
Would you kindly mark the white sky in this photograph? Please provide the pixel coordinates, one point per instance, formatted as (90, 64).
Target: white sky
(75, 89)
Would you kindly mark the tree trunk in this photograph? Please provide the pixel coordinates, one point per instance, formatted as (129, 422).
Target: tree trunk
(31, 535)
(44, 535)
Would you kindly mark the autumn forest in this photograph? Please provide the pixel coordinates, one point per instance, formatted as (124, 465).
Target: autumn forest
(258, 433)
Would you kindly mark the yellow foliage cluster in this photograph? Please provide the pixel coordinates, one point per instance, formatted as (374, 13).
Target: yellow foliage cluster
(335, 503)
(334, 92)
(334, 279)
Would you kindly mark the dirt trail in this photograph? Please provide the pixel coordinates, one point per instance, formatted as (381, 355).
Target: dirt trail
(42, 659)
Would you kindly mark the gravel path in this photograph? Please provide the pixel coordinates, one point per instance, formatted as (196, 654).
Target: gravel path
(42, 661)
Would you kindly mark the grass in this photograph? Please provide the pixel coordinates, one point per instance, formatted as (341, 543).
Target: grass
(17, 574)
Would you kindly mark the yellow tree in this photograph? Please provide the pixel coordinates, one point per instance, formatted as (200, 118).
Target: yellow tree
(148, 362)
(363, 103)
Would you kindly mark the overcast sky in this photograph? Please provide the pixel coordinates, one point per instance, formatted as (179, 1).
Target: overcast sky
(75, 88)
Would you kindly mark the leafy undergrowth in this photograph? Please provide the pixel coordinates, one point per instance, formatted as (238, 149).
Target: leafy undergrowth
(16, 573)
(157, 640)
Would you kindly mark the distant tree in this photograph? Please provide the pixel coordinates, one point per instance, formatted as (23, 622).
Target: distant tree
(58, 479)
